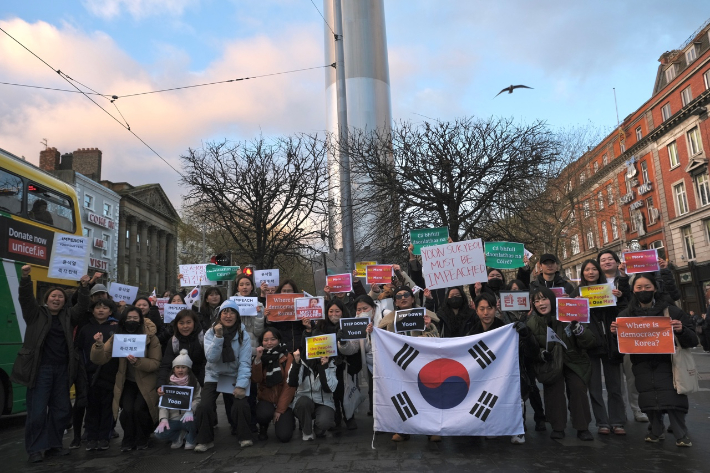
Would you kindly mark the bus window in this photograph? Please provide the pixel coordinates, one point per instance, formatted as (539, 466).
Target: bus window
(10, 193)
(50, 208)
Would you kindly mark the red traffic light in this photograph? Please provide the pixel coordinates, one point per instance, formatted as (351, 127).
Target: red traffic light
(249, 271)
(213, 259)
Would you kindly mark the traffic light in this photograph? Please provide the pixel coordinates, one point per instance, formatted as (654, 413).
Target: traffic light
(223, 260)
(249, 270)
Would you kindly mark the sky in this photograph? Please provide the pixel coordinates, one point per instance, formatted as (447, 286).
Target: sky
(447, 59)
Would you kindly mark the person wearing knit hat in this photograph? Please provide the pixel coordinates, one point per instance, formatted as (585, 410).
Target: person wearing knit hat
(183, 359)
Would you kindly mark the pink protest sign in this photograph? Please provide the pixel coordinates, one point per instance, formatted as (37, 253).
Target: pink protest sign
(558, 291)
(644, 261)
(379, 274)
(569, 309)
(340, 282)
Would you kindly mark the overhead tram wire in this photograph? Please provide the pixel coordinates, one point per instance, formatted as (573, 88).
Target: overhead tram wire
(50, 88)
(324, 20)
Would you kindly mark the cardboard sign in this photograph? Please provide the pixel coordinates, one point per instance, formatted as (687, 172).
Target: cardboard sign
(309, 308)
(160, 303)
(454, 264)
(122, 292)
(215, 272)
(247, 305)
(125, 344)
(269, 276)
(645, 335)
(361, 268)
(354, 328)
(410, 319)
(428, 237)
(558, 291)
(171, 311)
(644, 261)
(379, 274)
(321, 345)
(281, 307)
(70, 257)
(176, 397)
(504, 255)
(599, 295)
(569, 309)
(194, 275)
(514, 300)
(340, 282)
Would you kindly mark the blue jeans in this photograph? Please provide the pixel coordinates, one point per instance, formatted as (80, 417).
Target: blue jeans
(176, 426)
(48, 409)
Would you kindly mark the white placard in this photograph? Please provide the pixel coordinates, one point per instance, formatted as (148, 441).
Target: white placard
(170, 311)
(514, 300)
(194, 275)
(247, 305)
(122, 292)
(454, 264)
(125, 344)
(270, 276)
(70, 257)
(226, 384)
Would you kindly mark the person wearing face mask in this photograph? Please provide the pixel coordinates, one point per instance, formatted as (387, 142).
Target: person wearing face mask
(150, 311)
(347, 298)
(134, 390)
(188, 336)
(456, 318)
(366, 307)
(654, 372)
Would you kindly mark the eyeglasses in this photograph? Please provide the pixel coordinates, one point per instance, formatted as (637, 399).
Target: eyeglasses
(402, 296)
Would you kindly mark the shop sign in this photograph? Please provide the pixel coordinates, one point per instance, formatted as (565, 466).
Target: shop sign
(644, 188)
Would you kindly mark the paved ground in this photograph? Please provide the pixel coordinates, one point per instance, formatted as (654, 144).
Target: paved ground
(352, 451)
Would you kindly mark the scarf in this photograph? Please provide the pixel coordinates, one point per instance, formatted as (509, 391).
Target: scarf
(179, 381)
(270, 359)
(228, 333)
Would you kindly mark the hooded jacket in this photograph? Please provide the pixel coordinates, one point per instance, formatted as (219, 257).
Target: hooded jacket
(317, 385)
(240, 368)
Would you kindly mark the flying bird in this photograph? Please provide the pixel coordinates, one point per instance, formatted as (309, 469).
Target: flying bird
(511, 88)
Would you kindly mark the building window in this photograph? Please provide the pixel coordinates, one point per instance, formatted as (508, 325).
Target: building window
(575, 244)
(582, 177)
(600, 197)
(578, 271)
(88, 201)
(632, 214)
(107, 245)
(586, 209)
(688, 243)
(706, 224)
(610, 194)
(572, 216)
(666, 111)
(614, 229)
(658, 245)
(694, 146)
(87, 233)
(690, 55)
(605, 233)
(686, 96)
(639, 134)
(670, 73)
(644, 171)
(629, 186)
(590, 240)
(651, 211)
(706, 78)
(673, 155)
(596, 167)
(681, 199)
(564, 251)
(568, 273)
(605, 160)
(622, 146)
(107, 210)
(702, 187)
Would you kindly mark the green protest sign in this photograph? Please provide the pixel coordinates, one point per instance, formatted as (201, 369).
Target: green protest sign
(221, 273)
(428, 237)
(504, 255)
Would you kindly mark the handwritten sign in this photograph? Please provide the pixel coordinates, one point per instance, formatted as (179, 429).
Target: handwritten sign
(340, 282)
(361, 268)
(428, 237)
(599, 295)
(354, 328)
(171, 311)
(122, 292)
(644, 261)
(194, 275)
(215, 272)
(645, 335)
(176, 397)
(125, 344)
(160, 303)
(379, 274)
(281, 307)
(309, 308)
(247, 305)
(454, 264)
(504, 255)
(558, 291)
(269, 276)
(569, 309)
(514, 300)
(321, 345)
(70, 257)
(410, 319)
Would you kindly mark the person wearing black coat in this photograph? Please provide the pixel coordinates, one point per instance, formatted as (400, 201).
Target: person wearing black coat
(188, 336)
(654, 372)
(291, 331)
(151, 312)
(549, 277)
(456, 317)
(208, 310)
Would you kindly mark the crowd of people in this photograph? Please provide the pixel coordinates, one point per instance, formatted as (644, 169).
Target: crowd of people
(69, 341)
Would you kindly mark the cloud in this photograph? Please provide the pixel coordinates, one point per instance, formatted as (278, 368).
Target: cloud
(138, 9)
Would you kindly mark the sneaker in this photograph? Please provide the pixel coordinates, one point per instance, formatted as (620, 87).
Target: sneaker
(307, 437)
(56, 452)
(585, 435)
(604, 431)
(177, 443)
(189, 446)
(351, 423)
(557, 434)
(640, 417)
(35, 457)
(203, 447)
(263, 435)
(103, 444)
(652, 438)
(517, 439)
(435, 438)
(684, 442)
(618, 430)
(246, 443)
(91, 445)
(76, 443)
(540, 426)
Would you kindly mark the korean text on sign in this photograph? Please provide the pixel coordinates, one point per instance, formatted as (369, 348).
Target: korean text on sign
(309, 308)
(514, 300)
(127, 344)
(268, 276)
(69, 258)
(122, 292)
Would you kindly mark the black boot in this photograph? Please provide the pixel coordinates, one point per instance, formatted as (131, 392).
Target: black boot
(263, 432)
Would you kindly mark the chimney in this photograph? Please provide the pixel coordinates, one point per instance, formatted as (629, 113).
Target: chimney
(49, 159)
(87, 161)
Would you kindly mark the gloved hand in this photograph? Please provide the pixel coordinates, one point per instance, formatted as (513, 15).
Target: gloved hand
(163, 426)
(187, 417)
(240, 393)
(521, 328)
(546, 355)
(576, 328)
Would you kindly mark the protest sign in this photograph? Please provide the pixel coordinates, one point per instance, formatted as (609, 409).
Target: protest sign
(321, 345)
(354, 328)
(454, 264)
(410, 319)
(160, 303)
(644, 261)
(558, 291)
(194, 275)
(527, 253)
(645, 335)
(514, 300)
(385, 304)
(309, 308)
(125, 344)
(226, 383)
(269, 276)
(69, 258)
(428, 237)
(361, 268)
(176, 397)
(569, 309)
(379, 274)
(247, 305)
(215, 272)
(340, 282)
(171, 311)
(599, 295)
(504, 255)
(122, 292)
(281, 307)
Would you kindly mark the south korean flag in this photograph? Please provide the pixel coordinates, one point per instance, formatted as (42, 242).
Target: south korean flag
(447, 386)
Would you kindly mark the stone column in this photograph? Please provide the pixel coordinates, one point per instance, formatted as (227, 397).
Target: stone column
(172, 263)
(132, 251)
(121, 241)
(143, 279)
(154, 257)
(162, 280)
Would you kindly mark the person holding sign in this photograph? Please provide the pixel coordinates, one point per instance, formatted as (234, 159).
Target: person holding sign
(366, 307)
(496, 282)
(178, 425)
(654, 372)
(134, 389)
(150, 312)
(576, 367)
(604, 356)
(291, 331)
(45, 364)
(549, 275)
(188, 336)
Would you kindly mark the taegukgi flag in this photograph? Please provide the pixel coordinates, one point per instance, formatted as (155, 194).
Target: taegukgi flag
(447, 386)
